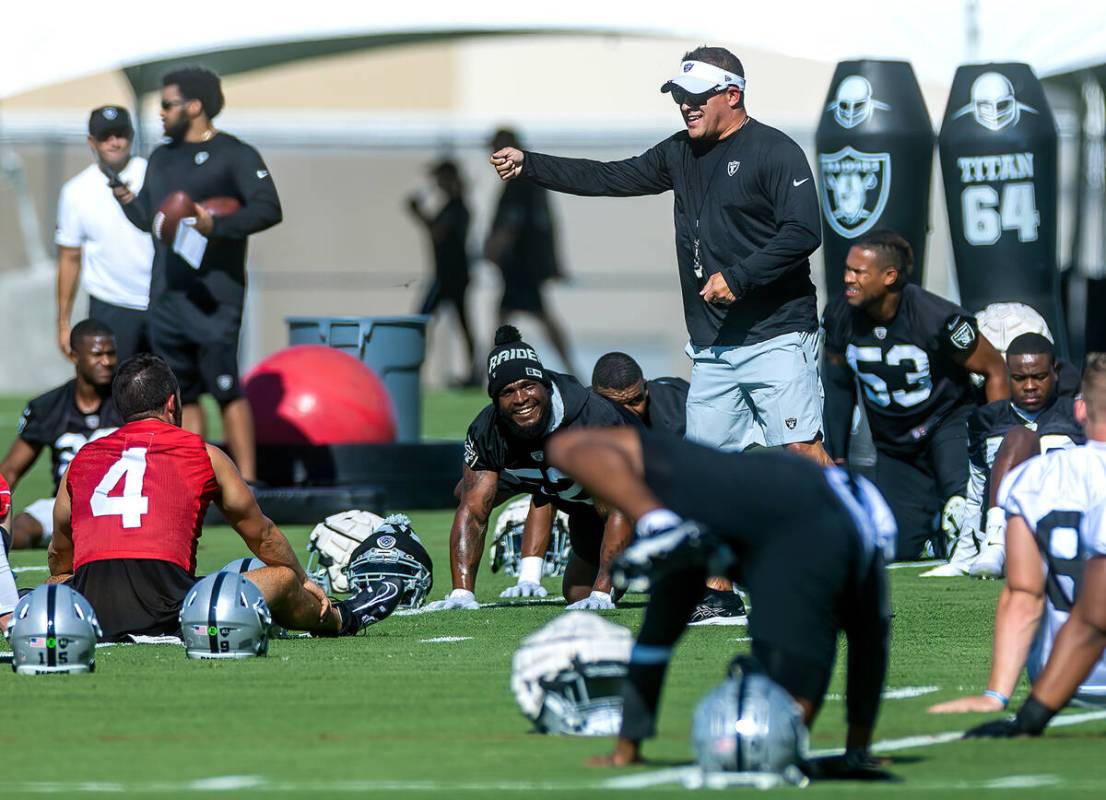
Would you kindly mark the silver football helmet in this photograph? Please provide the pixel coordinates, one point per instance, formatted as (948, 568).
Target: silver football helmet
(240, 566)
(567, 676)
(506, 551)
(331, 544)
(53, 630)
(394, 551)
(225, 616)
(750, 724)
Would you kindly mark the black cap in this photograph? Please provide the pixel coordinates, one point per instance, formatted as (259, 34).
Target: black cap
(110, 119)
(512, 360)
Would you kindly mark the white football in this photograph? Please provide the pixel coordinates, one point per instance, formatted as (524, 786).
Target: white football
(1002, 323)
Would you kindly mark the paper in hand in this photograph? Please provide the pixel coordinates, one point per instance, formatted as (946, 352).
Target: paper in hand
(189, 243)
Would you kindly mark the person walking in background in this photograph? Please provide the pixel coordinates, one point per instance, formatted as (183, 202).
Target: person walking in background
(523, 244)
(747, 220)
(98, 245)
(448, 229)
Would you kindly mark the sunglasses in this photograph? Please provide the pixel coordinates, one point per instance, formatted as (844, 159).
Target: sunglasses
(105, 135)
(682, 96)
(166, 105)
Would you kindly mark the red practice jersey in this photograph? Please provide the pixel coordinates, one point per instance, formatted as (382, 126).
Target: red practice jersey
(140, 492)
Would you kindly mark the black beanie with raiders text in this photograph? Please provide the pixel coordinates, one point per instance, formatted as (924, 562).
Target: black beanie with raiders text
(513, 360)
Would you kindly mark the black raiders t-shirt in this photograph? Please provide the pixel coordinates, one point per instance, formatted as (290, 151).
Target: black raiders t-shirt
(521, 462)
(53, 420)
(667, 411)
(1055, 425)
(908, 372)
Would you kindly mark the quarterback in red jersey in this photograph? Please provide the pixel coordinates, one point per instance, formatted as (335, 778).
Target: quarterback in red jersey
(130, 514)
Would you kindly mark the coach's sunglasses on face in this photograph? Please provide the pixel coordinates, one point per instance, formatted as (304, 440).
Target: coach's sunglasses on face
(682, 96)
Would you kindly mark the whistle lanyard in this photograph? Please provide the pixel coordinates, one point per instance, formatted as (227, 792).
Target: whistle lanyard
(696, 255)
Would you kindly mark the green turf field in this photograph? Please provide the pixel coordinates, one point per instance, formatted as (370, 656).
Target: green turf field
(420, 706)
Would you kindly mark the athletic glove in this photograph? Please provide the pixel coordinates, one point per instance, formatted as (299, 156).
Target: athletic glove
(855, 764)
(524, 589)
(1031, 720)
(458, 598)
(596, 601)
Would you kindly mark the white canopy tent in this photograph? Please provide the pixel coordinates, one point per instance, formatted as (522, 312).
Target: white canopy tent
(46, 43)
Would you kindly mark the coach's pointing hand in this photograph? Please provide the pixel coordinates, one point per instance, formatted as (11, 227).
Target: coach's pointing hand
(717, 291)
(508, 162)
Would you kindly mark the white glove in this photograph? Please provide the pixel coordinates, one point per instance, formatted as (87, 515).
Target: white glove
(458, 598)
(524, 589)
(597, 601)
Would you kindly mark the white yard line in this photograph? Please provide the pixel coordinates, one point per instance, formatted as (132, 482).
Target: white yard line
(17, 570)
(520, 603)
(903, 693)
(445, 639)
(933, 562)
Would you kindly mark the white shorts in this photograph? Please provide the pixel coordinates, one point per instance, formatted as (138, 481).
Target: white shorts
(765, 394)
(43, 512)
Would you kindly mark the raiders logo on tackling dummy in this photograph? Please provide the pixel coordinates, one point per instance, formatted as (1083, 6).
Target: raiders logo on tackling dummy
(856, 188)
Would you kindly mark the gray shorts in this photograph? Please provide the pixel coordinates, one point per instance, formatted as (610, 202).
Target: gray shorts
(765, 394)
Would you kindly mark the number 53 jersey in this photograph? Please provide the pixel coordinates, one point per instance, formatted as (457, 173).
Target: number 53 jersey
(1058, 494)
(140, 493)
(909, 369)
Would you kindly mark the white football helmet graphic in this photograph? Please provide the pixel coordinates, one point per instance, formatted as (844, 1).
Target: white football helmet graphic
(854, 104)
(993, 104)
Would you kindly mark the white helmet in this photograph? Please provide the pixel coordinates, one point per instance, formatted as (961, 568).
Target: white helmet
(225, 616)
(331, 544)
(243, 565)
(53, 630)
(567, 676)
(853, 103)
(506, 550)
(1002, 323)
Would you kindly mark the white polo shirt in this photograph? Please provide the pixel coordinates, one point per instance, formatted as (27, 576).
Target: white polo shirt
(116, 257)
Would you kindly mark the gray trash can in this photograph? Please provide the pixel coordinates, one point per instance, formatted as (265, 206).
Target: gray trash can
(393, 347)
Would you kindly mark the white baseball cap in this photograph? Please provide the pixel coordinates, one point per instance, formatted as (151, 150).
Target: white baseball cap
(697, 77)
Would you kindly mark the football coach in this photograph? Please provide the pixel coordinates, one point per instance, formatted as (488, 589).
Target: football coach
(747, 220)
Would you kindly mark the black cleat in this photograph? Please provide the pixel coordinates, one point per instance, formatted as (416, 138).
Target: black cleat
(720, 608)
(369, 606)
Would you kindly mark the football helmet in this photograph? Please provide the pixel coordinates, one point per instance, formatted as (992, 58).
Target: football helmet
(241, 566)
(567, 676)
(394, 551)
(331, 543)
(506, 551)
(53, 630)
(749, 723)
(225, 616)
(1002, 323)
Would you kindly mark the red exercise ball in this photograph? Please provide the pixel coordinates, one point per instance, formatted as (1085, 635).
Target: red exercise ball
(312, 394)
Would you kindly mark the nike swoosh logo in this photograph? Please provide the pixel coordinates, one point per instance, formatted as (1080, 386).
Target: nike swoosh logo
(799, 183)
(389, 591)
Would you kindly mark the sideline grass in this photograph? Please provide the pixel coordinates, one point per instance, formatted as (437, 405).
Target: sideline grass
(391, 711)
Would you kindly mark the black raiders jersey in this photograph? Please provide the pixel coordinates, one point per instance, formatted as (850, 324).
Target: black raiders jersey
(53, 420)
(907, 369)
(521, 462)
(667, 410)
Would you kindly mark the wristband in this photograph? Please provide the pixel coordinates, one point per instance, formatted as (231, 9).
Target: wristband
(997, 696)
(656, 520)
(530, 569)
(1033, 716)
(462, 594)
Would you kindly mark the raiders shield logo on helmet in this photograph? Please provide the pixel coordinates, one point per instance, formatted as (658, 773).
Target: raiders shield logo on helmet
(855, 188)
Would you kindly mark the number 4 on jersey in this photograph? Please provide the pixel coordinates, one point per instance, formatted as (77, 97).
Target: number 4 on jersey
(132, 505)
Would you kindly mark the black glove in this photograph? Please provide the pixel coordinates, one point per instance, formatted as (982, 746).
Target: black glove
(855, 764)
(1031, 720)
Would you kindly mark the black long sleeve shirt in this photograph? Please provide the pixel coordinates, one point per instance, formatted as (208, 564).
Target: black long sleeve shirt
(223, 166)
(751, 202)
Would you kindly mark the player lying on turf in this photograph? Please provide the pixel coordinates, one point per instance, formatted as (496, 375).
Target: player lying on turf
(505, 442)
(661, 405)
(913, 353)
(130, 514)
(1035, 405)
(1052, 613)
(808, 543)
(64, 419)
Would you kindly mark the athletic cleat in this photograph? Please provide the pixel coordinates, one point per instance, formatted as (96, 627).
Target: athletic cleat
(647, 560)
(990, 563)
(720, 608)
(369, 606)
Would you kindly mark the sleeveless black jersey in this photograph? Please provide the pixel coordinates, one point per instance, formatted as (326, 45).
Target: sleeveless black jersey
(521, 462)
(667, 410)
(53, 420)
(907, 369)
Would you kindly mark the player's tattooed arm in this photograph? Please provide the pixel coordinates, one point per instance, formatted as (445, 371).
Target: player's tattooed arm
(617, 534)
(1017, 618)
(470, 525)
